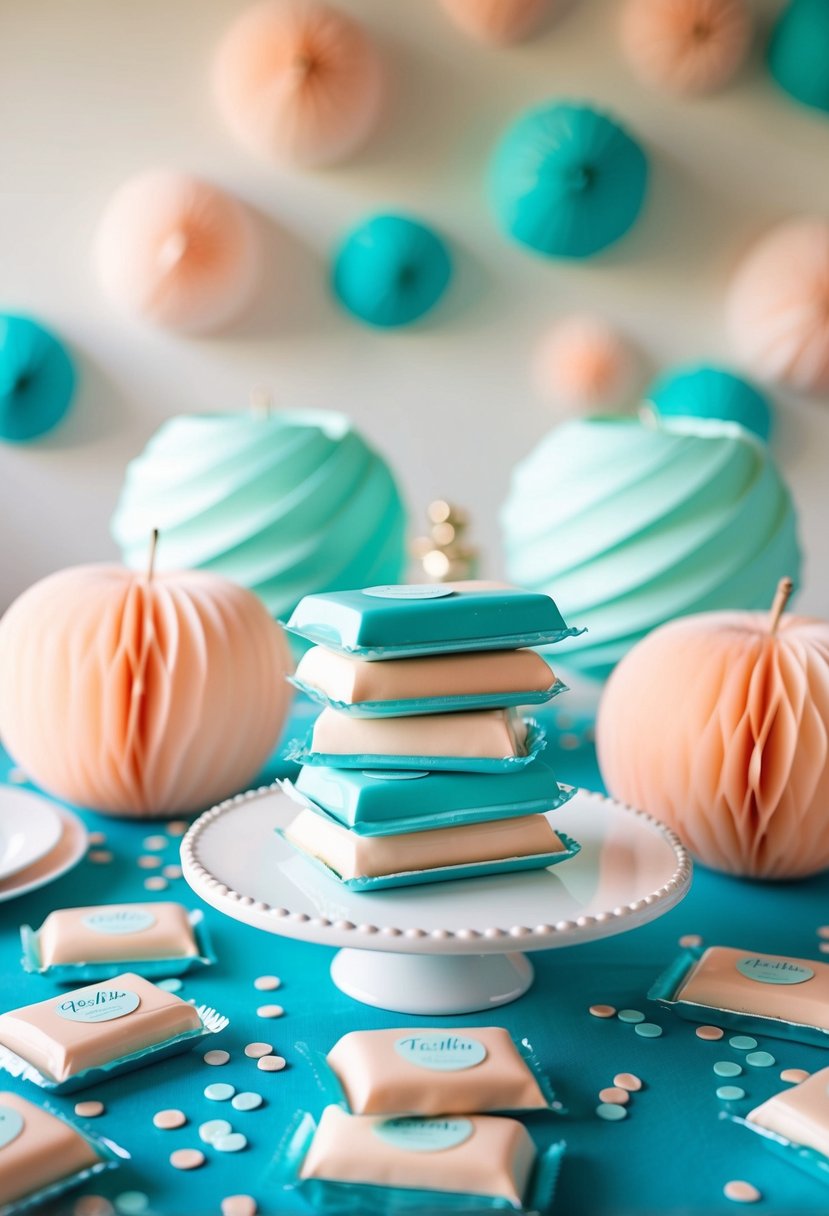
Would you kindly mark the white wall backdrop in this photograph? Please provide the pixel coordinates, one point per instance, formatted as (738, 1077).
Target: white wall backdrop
(92, 91)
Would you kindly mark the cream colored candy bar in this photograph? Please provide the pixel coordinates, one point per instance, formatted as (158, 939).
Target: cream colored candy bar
(474, 1155)
(799, 1114)
(90, 1026)
(36, 1149)
(482, 733)
(433, 1072)
(767, 985)
(112, 932)
(352, 681)
(353, 856)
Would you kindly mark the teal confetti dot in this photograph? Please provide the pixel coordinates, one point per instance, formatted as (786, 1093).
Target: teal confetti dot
(219, 1091)
(131, 1203)
(234, 1143)
(611, 1112)
(631, 1016)
(727, 1068)
(648, 1030)
(760, 1059)
(171, 985)
(730, 1093)
(247, 1101)
(742, 1042)
(213, 1128)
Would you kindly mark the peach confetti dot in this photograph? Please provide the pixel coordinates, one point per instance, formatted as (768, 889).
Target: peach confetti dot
(93, 1205)
(100, 857)
(689, 941)
(709, 1033)
(271, 1063)
(155, 844)
(156, 883)
(823, 931)
(255, 1051)
(239, 1205)
(794, 1075)
(176, 827)
(186, 1159)
(168, 1120)
(569, 742)
(97, 838)
(148, 862)
(172, 871)
(89, 1110)
(602, 1011)
(270, 1011)
(823, 947)
(614, 1094)
(217, 1056)
(267, 983)
(741, 1192)
(628, 1081)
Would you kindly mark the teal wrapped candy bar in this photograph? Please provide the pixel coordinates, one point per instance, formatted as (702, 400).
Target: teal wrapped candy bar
(404, 621)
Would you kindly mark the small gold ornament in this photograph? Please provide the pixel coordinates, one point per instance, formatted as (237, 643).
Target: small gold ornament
(444, 556)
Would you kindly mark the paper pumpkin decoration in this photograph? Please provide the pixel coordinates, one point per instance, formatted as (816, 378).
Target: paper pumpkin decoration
(686, 46)
(798, 52)
(390, 270)
(37, 379)
(718, 725)
(285, 503)
(778, 306)
(497, 22)
(140, 695)
(702, 391)
(583, 363)
(629, 524)
(567, 180)
(299, 81)
(177, 251)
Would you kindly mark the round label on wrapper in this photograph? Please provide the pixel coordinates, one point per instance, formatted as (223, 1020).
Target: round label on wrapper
(97, 1004)
(773, 970)
(11, 1125)
(441, 1052)
(119, 921)
(414, 1135)
(412, 591)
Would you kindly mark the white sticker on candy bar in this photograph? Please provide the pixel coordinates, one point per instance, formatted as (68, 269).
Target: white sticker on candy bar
(121, 921)
(413, 591)
(97, 1004)
(11, 1125)
(414, 1135)
(441, 1052)
(773, 970)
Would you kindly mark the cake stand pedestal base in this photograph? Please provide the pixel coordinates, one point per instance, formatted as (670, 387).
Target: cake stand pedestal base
(431, 984)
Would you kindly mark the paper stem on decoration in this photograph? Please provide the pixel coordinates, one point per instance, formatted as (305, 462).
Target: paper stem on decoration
(781, 599)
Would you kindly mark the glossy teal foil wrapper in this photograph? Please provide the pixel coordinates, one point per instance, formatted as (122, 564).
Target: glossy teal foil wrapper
(798, 1155)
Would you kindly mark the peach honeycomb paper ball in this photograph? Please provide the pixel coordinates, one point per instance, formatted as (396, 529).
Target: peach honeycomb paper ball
(497, 22)
(178, 252)
(686, 46)
(141, 696)
(299, 81)
(720, 728)
(582, 363)
(778, 306)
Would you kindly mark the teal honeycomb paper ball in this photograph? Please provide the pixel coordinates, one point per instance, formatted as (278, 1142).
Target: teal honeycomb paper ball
(284, 503)
(567, 180)
(37, 379)
(390, 270)
(798, 52)
(703, 391)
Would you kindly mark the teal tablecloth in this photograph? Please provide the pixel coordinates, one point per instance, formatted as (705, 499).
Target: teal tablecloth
(673, 1154)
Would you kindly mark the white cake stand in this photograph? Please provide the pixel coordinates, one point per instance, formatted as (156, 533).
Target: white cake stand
(443, 948)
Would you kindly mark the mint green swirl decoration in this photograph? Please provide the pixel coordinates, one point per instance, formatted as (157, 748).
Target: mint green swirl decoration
(285, 504)
(37, 379)
(798, 52)
(628, 525)
(567, 180)
(391, 270)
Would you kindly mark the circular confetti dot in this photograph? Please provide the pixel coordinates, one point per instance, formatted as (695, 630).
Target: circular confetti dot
(709, 1033)
(614, 1094)
(760, 1059)
(823, 947)
(267, 983)
(219, 1091)
(233, 1143)
(154, 843)
(270, 1011)
(612, 1112)
(742, 1042)
(148, 862)
(100, 857)
(648, 1030)
(823, 931)
(89, 1110)
(156, 883)
(255, 1050)
(168, 1120)
(131, 1203)
(727, 1068)
(631, 1016)
(730, 1093)
(176, 827)
(239, 1205)
(186, 1159)
(173, 984)
(741, 1192)
(271, 1063)
(690, 941)
(794, 1075)
(216, 1056)
(92, 1205)
(172, 871)
(247, 1101)
(628, 1081)
(213, 1128)
(97, 838)
(602, 1011)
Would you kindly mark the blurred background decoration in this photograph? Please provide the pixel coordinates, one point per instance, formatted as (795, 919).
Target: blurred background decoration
(445, 555)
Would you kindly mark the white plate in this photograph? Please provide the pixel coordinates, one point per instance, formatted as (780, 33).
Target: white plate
(69, 850)
(30, 827)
